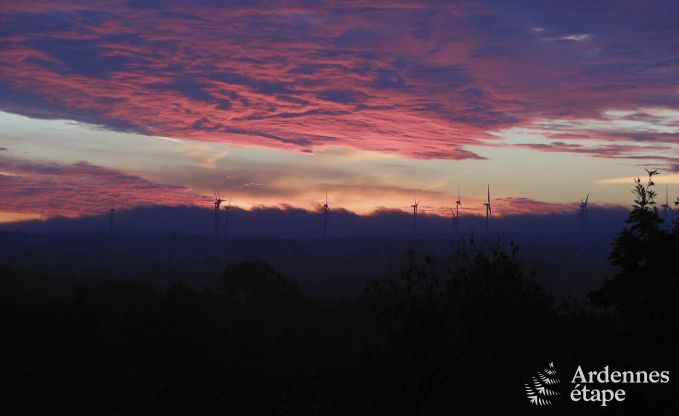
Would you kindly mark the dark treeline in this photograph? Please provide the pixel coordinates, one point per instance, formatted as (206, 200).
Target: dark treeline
(454, 334)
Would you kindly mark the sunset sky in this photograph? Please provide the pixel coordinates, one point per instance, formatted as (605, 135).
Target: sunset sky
(374, 102)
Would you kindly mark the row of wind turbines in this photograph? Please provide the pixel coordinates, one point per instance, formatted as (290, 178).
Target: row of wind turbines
(325, 210)
(454, 213)
(582, 211)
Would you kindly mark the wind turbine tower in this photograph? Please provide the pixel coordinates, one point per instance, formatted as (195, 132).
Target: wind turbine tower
(326, 212)
(227, 210)
(414, 207)
(218, 201)
(110, 218)
(488, 209)
(458, 204)
(583, 213)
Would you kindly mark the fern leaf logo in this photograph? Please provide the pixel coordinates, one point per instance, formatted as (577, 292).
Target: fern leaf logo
(540, 388)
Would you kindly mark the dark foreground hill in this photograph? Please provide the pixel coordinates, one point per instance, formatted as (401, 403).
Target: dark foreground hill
(443, 329)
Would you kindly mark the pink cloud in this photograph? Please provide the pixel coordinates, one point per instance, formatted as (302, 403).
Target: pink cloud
(81, 188)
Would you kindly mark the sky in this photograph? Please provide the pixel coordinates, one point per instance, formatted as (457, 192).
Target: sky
(376, 103)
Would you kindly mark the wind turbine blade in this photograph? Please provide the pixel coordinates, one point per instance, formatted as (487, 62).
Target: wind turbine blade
(587, 199)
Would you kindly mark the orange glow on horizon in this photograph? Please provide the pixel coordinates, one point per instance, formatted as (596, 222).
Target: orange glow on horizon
(7, 216)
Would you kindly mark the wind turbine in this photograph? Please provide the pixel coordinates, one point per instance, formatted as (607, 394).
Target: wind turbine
(217, 202)
(488, 209)
(110, 218)
(458, 204)
(583, 213)
(666, 208)
(414, 207)
(227, 209)
(326, 211)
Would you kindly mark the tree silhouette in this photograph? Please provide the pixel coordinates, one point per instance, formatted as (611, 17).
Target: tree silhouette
(441, 331)
(645, 287)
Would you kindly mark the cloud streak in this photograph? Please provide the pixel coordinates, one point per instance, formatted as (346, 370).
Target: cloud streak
(419, 79)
